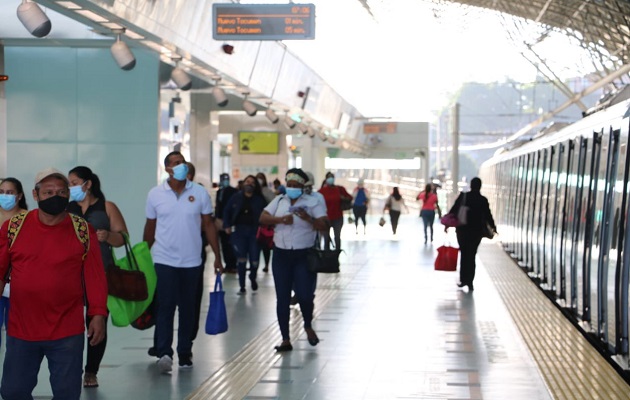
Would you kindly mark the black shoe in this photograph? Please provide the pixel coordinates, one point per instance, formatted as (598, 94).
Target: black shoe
(460, 284)
(152, 352)
(254, 285)
(312, 339)
(266, 269)
(470, 287)
(294, 300)
(284, 347)
(242, 291)
(185, 362)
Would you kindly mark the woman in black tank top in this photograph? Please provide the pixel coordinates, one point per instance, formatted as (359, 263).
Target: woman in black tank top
(88, 201)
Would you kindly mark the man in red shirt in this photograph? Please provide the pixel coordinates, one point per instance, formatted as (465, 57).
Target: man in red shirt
(333, 194)
(52, 269)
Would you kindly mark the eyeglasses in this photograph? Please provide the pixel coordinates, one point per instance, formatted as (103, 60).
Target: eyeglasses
(51, 193)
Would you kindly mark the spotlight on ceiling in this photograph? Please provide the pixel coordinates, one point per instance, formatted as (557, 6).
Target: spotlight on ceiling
(181, 78)
(272, 116)
(33, 19)
(288, 121)
(219, 96)
(227, 48)
(249, 107)
(121, 53)
(311, 132)
(302, 128)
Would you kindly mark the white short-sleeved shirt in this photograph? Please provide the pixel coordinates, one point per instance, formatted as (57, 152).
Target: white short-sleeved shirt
(178, 227)
(299, 235)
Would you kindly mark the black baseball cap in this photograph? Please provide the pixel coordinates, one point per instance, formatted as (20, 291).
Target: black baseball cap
(224, 176)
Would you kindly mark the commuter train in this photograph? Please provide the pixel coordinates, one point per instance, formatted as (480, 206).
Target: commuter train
(561, 205)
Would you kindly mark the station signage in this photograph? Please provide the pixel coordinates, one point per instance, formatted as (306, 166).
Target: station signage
(380, 127)
(263, 21)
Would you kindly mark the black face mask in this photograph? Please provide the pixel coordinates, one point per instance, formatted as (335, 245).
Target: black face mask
(53, 205)
(248, 189)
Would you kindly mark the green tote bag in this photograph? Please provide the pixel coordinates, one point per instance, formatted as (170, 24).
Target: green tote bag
(123, 312)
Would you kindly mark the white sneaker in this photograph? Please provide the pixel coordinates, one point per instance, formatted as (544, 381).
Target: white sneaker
(165, 364)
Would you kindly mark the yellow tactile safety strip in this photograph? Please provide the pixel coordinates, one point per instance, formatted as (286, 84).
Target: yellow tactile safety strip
(570, 366)
(241, 373)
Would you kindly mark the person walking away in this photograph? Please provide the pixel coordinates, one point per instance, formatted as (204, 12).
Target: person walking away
(240, 221)
(177, 210)
(333, 195)
(429, 204)
(360, 203)
(394, 204)
(54, 263)
(268, 194)
(12, 201)
(469, 236)
(223, 196)
(88, 202)
(297, 217)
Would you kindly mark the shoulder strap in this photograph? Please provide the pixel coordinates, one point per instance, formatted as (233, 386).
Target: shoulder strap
(83, 234)
(15, 224)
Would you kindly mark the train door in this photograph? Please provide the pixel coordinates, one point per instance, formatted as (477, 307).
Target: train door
(529, 210)
(561, 225)
(511, 216)
(607, 259)
(622, 277)
(591, 233)
(548, 272)
(535, 211)
(543, 179)
(574, 220)
(519, 220)
(526, 211)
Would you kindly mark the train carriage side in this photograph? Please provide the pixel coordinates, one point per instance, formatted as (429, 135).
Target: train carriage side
(561, 202)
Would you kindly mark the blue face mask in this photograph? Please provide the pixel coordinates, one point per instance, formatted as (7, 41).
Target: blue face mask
(180, 172)
(330, 181)
(76, 193)
(7, 201)
(293, 193)
(224, 183)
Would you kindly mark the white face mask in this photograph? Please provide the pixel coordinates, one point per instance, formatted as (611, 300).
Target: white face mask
(260, 182)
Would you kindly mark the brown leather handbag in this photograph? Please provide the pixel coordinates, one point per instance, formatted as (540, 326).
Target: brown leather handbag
(127, 284)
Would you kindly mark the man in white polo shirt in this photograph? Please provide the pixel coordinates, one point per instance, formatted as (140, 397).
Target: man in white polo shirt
(177, 210)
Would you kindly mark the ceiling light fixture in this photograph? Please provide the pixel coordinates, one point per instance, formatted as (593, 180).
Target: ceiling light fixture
(121, 53)
(302, 128)
(271, 115)
(248, 106)
(179, 76)
(219, 95)
(33, 19)
(288, 121)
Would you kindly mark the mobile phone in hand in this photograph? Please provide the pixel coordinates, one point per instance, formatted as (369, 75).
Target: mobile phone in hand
(295, 209)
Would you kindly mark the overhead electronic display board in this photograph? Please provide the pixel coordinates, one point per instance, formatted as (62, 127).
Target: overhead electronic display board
(263, 21)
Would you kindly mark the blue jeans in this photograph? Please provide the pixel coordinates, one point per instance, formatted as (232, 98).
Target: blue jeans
(428, 216)
(4, 313)
(246, 247)
(176, 288)
(23, 360)
(290, 271)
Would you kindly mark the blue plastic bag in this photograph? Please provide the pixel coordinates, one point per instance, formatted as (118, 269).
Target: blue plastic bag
(216, 322)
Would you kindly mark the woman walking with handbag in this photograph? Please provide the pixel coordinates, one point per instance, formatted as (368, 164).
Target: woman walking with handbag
(297, 217)
(240, 221)
(469, 235)
(12, 202)
(88, 201)
(429, 204)
(394, 204)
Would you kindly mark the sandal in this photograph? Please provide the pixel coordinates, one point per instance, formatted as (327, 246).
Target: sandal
(90, 380)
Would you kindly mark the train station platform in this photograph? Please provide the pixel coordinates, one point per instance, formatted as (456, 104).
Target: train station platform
(390, 328)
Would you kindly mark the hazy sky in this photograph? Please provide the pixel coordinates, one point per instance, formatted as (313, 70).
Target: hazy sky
(405, 63)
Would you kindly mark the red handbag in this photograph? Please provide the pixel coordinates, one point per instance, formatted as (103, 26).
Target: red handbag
(264, 236)
(446, 259)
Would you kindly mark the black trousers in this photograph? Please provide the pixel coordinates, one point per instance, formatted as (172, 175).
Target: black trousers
(468, 245)
(228, 252)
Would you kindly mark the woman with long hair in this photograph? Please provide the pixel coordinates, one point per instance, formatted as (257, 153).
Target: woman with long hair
(240, 221)
(429, 204)
(12, 202)
(394, 204)
(88, 201)
(268, 194)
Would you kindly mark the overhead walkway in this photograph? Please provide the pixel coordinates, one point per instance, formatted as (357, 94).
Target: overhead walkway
(390, 327)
